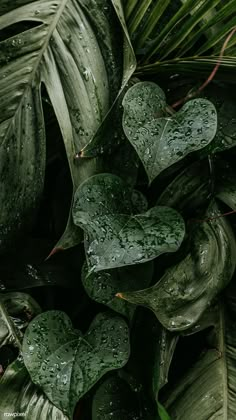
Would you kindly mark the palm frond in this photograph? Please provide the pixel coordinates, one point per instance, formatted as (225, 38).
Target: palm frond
(186, 34)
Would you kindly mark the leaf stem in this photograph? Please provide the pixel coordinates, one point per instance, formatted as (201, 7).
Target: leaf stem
(211, 76)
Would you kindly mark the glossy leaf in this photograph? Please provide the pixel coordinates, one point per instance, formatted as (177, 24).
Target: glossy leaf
(81, 53)
(187, 288)
(115, 399)
(208, 388)
(190, 190)
(150, 364)
(20, 395)
(66, 364)
(114, 237)
(182, 36)
(161, 141)
(102, 287)
(15, 311)
(223, 99)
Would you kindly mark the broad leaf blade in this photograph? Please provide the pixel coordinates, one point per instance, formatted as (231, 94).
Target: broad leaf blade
(114, 237)
(76, 50)
(186, 289)
(161, 141)
(189, 191)
(20, 395)
(65, 363)
(102, 287)
(115, 399)
(208, 388)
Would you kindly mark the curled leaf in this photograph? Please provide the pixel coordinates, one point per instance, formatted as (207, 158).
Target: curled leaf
(103, 286)
(187, 288)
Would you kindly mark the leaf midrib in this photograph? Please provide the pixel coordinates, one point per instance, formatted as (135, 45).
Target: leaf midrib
(38, 60)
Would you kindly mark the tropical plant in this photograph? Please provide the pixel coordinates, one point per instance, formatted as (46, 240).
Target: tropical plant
(117, 147)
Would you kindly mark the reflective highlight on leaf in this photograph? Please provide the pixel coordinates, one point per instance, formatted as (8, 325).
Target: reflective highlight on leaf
(161, 140)
(20, 395)
(66, 364)
(115, 237)
(102, 287)
(187, 288)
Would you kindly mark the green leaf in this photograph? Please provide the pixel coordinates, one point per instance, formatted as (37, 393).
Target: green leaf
(20, 395)
(190, 190)
(169, 33)
(102, 287)
(150, 363)
(162, 141)
(115, 399)
(79, 50)
(66, 364)
(15, 311)
(226, 184)
(208, 388)
(114, 237)
(187, 288)
(223, 99)
(163, 413)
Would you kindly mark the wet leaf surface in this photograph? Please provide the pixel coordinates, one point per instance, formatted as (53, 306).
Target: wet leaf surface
(16, 310)
(210, 383)
(114, 237)
(20, 395)
(65, 363)
(80, 52)
(115, 399)
(188, 288)
(161, 141)
(102, 287)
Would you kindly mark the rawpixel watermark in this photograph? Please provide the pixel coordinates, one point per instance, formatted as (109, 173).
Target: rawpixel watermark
(14, 415)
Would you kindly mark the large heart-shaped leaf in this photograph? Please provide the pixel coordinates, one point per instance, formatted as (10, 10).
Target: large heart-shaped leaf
(67, 364)
(187, 288)
(160, 141)
(20, 395)
(114, 237)
(102, 287)
(79, 50)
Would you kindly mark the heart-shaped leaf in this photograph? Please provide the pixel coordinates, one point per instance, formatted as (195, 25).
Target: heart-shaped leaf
(114, 236)
(187, 288)
(67, 364)
(102, 287)
(161, 141)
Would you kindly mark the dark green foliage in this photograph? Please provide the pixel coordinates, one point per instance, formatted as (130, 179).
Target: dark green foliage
(134, 317)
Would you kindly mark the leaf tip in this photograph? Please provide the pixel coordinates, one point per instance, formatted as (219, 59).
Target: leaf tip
(54, 251)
